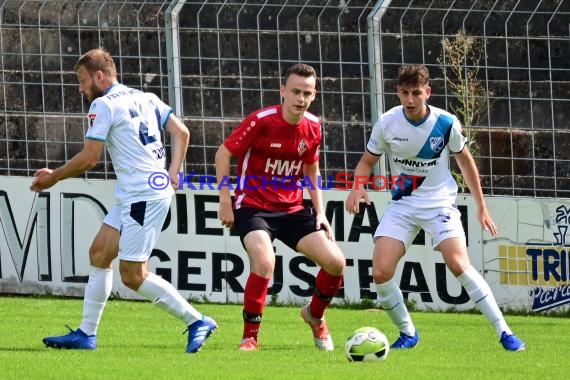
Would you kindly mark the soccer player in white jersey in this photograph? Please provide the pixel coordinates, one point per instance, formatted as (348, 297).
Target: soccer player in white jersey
(129, 122)
(418, 139)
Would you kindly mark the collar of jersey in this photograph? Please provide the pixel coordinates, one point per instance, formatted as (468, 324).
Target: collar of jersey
(109, 89)
(421, 121)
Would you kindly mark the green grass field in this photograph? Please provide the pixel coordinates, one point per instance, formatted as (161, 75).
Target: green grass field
(138, 341)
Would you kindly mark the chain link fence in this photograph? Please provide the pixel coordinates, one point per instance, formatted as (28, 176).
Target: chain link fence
(226, 59)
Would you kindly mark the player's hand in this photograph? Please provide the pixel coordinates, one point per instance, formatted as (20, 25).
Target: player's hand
(226, 213)
(173, 176)
(323, 224)
(43, 180)
(352, 203)
(487, 222)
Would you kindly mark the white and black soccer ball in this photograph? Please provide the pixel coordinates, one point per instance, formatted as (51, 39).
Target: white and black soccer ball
(366, 344)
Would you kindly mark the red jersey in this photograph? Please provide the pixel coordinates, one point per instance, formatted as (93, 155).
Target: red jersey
(271, 154)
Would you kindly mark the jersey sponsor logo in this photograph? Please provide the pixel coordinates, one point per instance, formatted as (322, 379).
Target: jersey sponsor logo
(275, 145)
(118, 94)
(302, 147)
(415, 163)
(91, 117)
(436, 143)
(283, 167)
(403, 139)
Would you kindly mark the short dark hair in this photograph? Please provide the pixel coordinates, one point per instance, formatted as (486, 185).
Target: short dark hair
(97, 60)
(413, 76)
(301, 69)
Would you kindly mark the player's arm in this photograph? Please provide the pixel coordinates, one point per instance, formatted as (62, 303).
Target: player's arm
(180, 138)
(313, 173)
(471, 176)
(226, 214)
(358, 192)
(80, 163)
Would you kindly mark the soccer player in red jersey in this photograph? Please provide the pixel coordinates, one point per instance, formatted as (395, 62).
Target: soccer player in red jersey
(277, 148)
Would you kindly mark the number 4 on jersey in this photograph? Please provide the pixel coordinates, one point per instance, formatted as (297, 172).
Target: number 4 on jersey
(143, 129)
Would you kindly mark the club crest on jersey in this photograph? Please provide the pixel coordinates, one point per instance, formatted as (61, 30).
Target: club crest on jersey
(91, 117)
(436, 144)
(302, 147)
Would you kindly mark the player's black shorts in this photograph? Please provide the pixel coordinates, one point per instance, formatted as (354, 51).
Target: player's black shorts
(289, 228)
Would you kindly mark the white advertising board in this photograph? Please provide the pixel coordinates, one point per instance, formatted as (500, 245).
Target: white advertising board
(44, 243)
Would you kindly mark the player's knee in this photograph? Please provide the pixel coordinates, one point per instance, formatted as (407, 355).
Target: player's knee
(263, 268)
(131, 282)
(130, 279)
(335, 266)
(457, 268)
(381, 275)
(94, 250)
(458, 265)
(339, 265)
(100, 257)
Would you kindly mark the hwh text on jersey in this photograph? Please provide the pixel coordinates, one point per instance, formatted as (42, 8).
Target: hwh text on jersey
(283, 167)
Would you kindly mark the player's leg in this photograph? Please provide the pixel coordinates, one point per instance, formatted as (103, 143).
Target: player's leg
(262, 263)
(328, 255)
(103, 250)
(394, 234)
(255, 232)
(299, 233)
(454, 252)
(142, 222)
(387, 253)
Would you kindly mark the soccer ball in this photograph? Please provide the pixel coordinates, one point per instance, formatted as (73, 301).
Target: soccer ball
(366, 344)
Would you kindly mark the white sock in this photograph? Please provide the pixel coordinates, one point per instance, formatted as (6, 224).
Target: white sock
(97, 291)
(480, 293)
(166, 297)
(391, 299)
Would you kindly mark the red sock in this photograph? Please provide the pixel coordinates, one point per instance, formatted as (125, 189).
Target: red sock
(326, 287)
(253, 304)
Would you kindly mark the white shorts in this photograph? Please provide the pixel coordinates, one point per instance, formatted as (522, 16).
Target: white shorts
(113, 218)
(140, 224)
(403, 222)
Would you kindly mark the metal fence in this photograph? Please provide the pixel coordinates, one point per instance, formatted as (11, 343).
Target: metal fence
(224, 59)
(518, 52)
(42, 115)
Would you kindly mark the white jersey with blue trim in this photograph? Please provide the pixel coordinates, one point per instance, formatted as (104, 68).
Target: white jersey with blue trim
(130, 121)
(418, 154)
